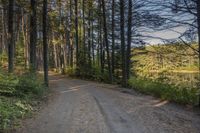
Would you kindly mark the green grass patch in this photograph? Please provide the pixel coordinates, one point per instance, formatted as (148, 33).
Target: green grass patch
(165, 91)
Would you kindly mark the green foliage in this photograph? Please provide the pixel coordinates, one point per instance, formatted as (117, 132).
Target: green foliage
(170, 56)
(20, 60)
(17, 95)
(29, 84)
(3, 58)
(8, 83)
(10, 110)
(70, 71)
(165, 91)
(91, 73)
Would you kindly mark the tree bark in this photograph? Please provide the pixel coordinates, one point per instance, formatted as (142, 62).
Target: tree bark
(33, 36)
(198, 21)
(45, 45)
(10, 37)
(123, 52)
(129, 35)
(89, 39)
(106, 40)
(76, 29)
(84, 33)
(113, 36)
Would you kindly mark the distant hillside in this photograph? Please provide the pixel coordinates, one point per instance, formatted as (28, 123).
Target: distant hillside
(173, 57)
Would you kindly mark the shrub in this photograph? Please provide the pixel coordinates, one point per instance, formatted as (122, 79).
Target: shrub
(17, 94)
(10, 110)
(29, 84)
(70, 71)
(165, 91)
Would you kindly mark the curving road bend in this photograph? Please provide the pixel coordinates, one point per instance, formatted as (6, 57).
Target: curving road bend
(79, 106)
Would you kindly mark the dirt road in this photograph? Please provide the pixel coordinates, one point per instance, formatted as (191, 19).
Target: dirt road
(79, 106)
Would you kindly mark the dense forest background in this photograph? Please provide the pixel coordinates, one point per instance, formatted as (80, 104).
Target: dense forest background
(99, 39)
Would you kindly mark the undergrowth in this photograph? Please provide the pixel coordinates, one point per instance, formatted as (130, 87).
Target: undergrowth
(166, 91)
(18, 95)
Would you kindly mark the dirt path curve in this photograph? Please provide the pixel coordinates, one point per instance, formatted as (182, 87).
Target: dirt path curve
(87, 107)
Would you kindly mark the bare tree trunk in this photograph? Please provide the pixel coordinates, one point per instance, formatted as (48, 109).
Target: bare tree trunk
(89, 39)
(55, 54)
(10, 37)
(45, 45)
(93, 55)
(113, 36)
(33, 36)
(3, 31)
(198, 21)
(71, 38)
(25, 38)
(76, 28)
(84, 33)
(129, 35)
(106, 40)
(124, 79)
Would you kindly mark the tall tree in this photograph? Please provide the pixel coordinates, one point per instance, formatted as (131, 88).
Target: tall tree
(76, 36)
(106, 40)
(10, 36)
(113, 36)
(45, 45)
(33, 35)
(198, 23)
(123, 47)
(89, 36)
(84, 33)
(129, 36)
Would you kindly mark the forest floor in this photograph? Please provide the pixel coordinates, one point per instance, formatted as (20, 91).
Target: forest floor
(78, 106)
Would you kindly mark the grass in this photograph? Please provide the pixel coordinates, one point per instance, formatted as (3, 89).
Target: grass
(165, 91)
(18, 96)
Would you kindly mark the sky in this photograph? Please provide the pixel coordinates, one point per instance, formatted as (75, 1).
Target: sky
(165, 34)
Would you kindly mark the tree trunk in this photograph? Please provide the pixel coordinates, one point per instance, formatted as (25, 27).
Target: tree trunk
(33, 36)
(93, 55)
(129, 35)
(113, 36)
(76, 29)
(71, 38)
(89, 39)
(45, 45)
(106, 40)
(123, 52)
(84, 33)
(198, 21)
(10, 37)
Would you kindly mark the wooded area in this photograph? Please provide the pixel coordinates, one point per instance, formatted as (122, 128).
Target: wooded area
(87, 38)
(85, 35)
(141, 44)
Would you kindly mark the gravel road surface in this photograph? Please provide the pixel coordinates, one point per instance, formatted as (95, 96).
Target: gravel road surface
(77, 106)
